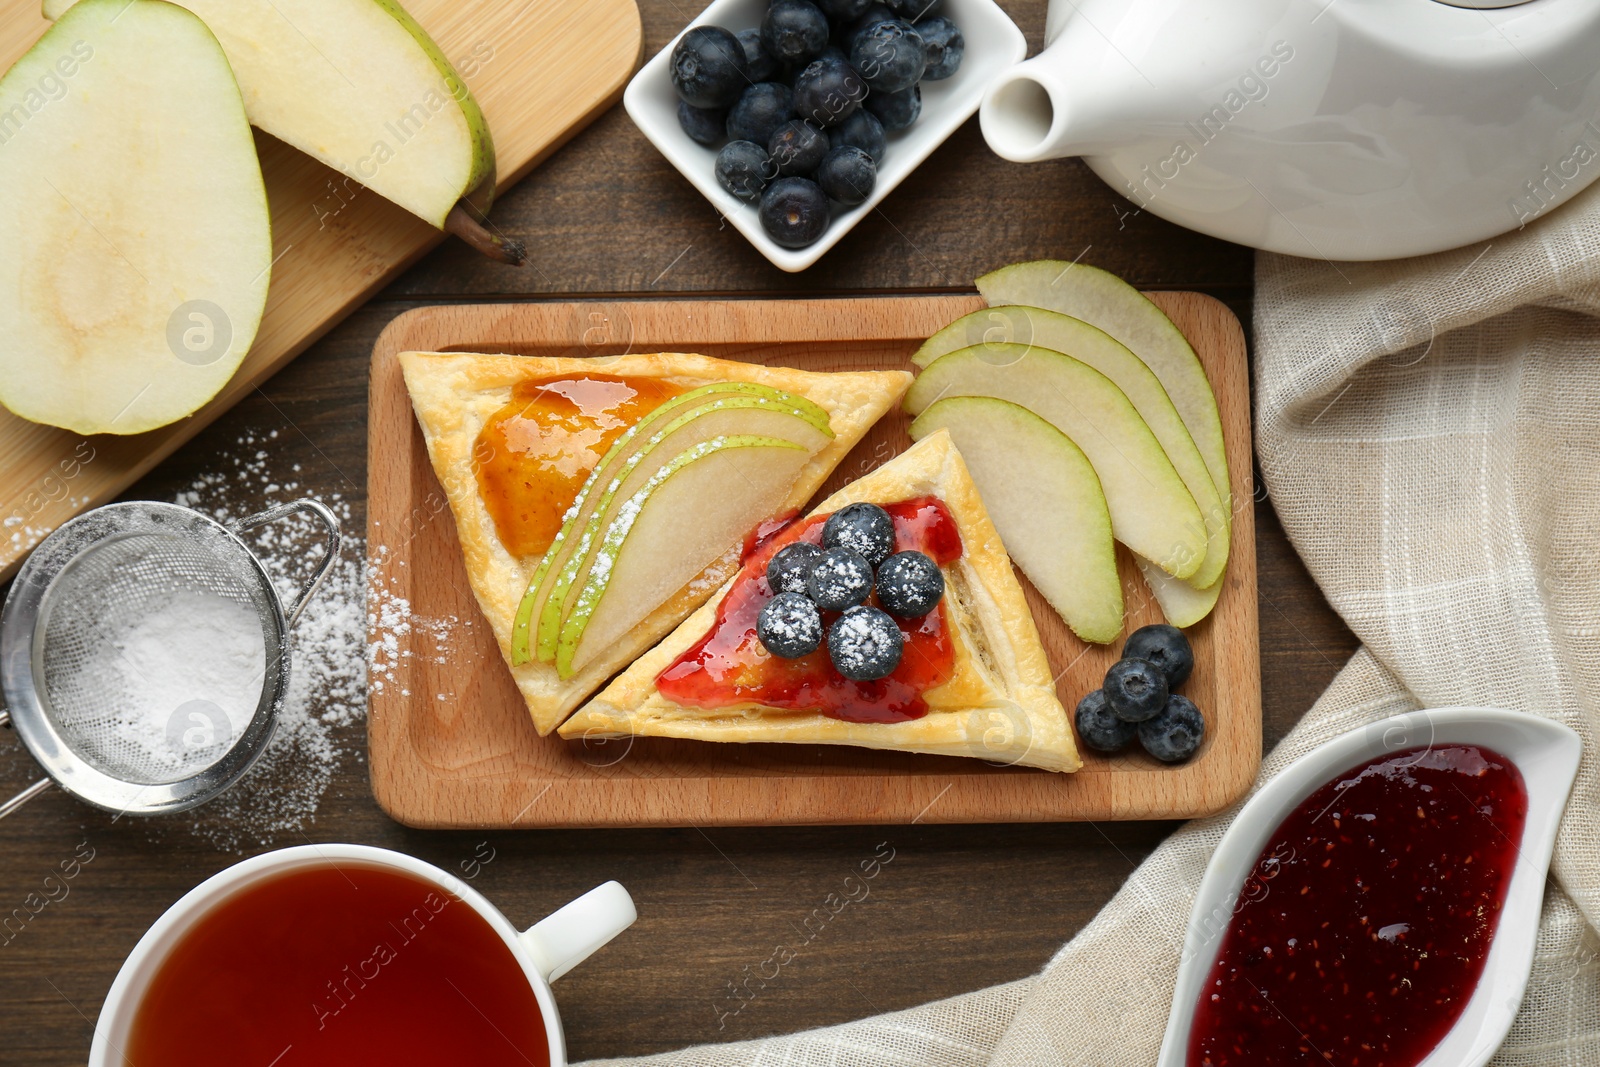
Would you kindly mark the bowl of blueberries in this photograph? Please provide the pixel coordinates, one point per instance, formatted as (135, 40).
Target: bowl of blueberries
(797, 117)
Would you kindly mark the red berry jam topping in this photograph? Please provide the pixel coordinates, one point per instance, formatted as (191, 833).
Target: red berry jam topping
(1363, 929)
(730, 665)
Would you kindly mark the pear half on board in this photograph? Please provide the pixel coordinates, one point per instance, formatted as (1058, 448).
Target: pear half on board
(359, 85)
(135, 245)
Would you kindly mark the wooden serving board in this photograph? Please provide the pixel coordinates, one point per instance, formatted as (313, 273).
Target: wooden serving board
(541, 69)
(451, 741)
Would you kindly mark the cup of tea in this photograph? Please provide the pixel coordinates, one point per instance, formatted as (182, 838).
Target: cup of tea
(337, 954)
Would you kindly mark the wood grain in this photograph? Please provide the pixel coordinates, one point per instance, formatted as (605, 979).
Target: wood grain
(961, 908)
(450, 739)
(540, 70)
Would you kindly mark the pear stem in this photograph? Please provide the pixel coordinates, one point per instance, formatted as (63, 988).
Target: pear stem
(461, 222)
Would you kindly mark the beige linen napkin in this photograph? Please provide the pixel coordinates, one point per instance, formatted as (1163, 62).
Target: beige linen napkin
(1429, 430)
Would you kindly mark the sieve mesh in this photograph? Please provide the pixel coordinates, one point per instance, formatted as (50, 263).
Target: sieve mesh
(154, 654)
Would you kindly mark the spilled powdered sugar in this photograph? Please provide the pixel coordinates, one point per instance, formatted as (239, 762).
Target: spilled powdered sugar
(320, 727)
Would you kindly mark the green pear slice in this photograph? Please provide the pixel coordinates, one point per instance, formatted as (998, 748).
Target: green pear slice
(1182, 603)
(682, 519)
(361, 87)
(135, 245)
(1151, 510)
(631, 461)
(1102, 299)
(1087, 344)
(644, 434)
(1043, 495)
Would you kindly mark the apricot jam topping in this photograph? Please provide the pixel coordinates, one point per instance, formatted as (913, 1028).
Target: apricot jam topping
(730, 666)
(533, 455)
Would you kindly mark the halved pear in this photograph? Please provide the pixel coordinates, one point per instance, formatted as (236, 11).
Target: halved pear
(1043, 495)
(1087, 344)
(1151, 510)
(135, 245)
(363, 88)
(686, 516)
(728, 414)
(620, 459)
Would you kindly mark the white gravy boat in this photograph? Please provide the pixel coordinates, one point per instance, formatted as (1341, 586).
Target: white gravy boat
(1545, 752)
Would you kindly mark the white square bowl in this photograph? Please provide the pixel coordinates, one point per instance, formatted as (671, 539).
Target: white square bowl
(993, 44)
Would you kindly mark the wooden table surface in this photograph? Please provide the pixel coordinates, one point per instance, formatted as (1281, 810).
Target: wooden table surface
(961, 907)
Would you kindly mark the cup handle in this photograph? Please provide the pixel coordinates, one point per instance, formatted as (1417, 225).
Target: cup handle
(565, 938)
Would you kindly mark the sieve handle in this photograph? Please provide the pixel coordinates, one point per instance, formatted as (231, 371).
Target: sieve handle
(27, 794)
(330, 551)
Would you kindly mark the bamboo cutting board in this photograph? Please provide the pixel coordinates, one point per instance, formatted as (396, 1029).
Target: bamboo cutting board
(541, 69)
(451, 744)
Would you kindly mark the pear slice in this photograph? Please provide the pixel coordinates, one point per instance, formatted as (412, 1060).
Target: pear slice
(1088, 344)
(1042, 493)
(668, 430)
(136, 241)
(1104, 300)
(1181, 603)
(360, 86)
(688, 514)
(729, 419)
(644, 434)
(1151, 510)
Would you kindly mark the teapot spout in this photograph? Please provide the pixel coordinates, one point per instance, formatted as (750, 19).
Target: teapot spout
(1031, 113)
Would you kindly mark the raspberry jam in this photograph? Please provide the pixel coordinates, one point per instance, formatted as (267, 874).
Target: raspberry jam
(730, 666)
(1363, 929)
(533, 455)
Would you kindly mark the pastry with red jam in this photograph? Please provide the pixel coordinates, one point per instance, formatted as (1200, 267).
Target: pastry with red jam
(888, 618)
(599, 502)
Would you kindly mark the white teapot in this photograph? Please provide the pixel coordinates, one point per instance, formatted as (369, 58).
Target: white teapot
(1339, 129)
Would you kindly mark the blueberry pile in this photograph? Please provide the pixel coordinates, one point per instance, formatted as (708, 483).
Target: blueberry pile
(856, 559)
(804, 102)
(1137, 698)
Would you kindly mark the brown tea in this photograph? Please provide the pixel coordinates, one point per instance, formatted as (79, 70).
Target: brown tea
(339, 965)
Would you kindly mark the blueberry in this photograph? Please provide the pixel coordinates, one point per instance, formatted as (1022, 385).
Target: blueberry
(708, 67)
(945, 46)
(843, 10)
(794, 31)
(797, 147)
(912, 10)
(841, 579)
(875, 13)
(1136, 689)
(847, 175)
(758, 65)
(1166, 647)
(1098, 726)
(742, 168)
(866, 528)
(890, 56)
(789, 568)
(761, 109)
(1173, 735)
(865, 644)
(861, 130)
(909, 585)
(896, 110)
(828, 91)
(790, 626)
(702, 124)
(794, 212)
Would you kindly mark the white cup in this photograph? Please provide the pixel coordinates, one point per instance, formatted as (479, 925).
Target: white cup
(547, 950)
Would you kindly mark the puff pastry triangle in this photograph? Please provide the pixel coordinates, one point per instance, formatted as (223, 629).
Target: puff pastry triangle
(998, 702)
(456, 394)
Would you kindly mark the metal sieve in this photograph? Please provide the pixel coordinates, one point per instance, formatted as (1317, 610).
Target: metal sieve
(90, 685)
